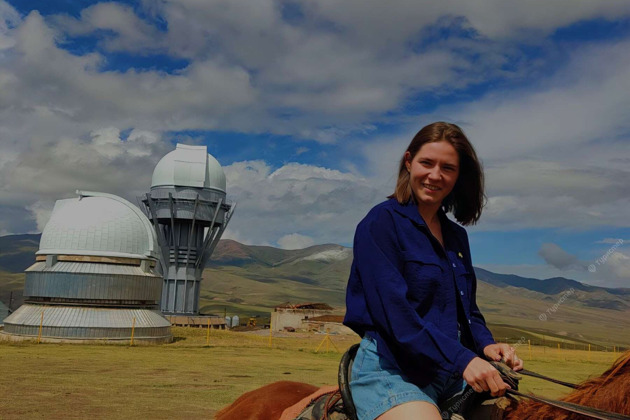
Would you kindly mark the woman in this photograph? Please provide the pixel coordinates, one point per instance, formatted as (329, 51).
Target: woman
(411, 292)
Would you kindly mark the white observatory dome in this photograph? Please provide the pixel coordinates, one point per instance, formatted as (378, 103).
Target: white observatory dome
(98, 224)
(189, 166)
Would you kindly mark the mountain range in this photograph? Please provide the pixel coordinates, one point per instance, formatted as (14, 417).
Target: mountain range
(249, 280)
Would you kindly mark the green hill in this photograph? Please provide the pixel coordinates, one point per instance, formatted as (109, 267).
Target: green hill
(250, 280)
(17, 252)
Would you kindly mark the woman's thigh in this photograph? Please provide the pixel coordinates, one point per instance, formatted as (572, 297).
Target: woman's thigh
(377, 388)
(413, 410)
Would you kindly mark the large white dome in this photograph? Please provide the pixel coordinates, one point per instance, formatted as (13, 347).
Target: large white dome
(98, 224)
(189, 166)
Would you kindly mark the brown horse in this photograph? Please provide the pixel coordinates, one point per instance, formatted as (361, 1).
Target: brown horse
(266, 403)
(609, 392)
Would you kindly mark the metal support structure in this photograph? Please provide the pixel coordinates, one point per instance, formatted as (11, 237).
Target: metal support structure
(215, 241)
(202, 216)
(173, 240)
(160, 233)
(192, 229)
(210, 234)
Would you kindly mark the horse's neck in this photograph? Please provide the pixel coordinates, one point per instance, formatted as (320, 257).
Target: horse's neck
(607, 392)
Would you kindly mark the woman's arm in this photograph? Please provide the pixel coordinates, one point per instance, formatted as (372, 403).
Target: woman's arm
(480, 332)
(484, 341)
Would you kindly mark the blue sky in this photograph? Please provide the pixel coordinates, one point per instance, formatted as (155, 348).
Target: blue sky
(309, 105)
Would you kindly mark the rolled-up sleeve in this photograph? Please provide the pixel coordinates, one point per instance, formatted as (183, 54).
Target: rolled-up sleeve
(379, 272)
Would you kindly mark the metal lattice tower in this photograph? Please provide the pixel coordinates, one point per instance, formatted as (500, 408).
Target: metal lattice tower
(188, 207)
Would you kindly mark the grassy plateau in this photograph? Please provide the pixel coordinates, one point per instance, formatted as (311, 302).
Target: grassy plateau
(189, 379)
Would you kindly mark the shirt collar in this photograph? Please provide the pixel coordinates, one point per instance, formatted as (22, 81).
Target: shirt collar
(410, 210)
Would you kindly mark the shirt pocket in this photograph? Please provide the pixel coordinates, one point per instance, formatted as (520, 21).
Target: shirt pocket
(464, 279)
(424, 276)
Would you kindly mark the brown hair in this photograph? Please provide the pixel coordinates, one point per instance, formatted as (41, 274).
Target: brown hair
(467, 198)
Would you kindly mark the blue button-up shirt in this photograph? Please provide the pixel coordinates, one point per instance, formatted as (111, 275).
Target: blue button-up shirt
(414, 296)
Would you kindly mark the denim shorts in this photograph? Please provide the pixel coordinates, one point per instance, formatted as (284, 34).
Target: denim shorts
(377, 385)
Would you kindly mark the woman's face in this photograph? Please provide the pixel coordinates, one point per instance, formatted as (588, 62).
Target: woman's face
(433, 172)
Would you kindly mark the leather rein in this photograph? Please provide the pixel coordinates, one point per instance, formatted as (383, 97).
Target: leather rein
(571, 407)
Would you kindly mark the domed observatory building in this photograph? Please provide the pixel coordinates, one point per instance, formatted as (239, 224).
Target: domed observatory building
(188, 207)
(94, 277)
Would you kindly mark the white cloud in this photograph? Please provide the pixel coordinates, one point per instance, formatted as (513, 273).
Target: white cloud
(126, 31)
(103, 162)
(45, 83)
(249, 66)
(612, 241)
(582, 103)
(554, 150)
(320, 203)
(41, 211)
(619, 264)
(295, 241)
(613, 272)
(611, 269)
(232, 232)
(554, 153)
(107, 142)
(376, 22)
(334, 69)
(559, 258)
(9, 17)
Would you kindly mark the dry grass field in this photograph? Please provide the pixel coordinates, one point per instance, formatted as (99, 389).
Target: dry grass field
(189, 380)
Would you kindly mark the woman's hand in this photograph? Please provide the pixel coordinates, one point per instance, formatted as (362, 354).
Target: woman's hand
(504, 352)
(482, 376)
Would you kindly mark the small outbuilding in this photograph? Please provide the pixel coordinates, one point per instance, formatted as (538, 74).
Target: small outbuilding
(307, 316)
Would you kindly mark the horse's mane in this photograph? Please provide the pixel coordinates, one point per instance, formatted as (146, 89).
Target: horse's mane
(607, 392)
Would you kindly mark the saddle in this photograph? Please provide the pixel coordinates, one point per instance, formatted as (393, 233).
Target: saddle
(338, 405)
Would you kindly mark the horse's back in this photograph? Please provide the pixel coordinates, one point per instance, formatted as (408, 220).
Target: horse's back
(267, 402)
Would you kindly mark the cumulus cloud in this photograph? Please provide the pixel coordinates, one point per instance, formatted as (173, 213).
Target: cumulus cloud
(554, 149)
(103, 161)
(295, 241)
(554, 153)
(612, 241)
(578, 105)
(611, 268)
(619, 264)
(125, 31)
(324, 205)
(47, 86)
(335, 68)
(9, 18)
(251, 65)
(558, 257)
(41, 210)
(375, 21)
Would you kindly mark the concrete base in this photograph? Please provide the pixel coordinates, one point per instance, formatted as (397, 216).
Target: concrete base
(87, 324)
(122, 341)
